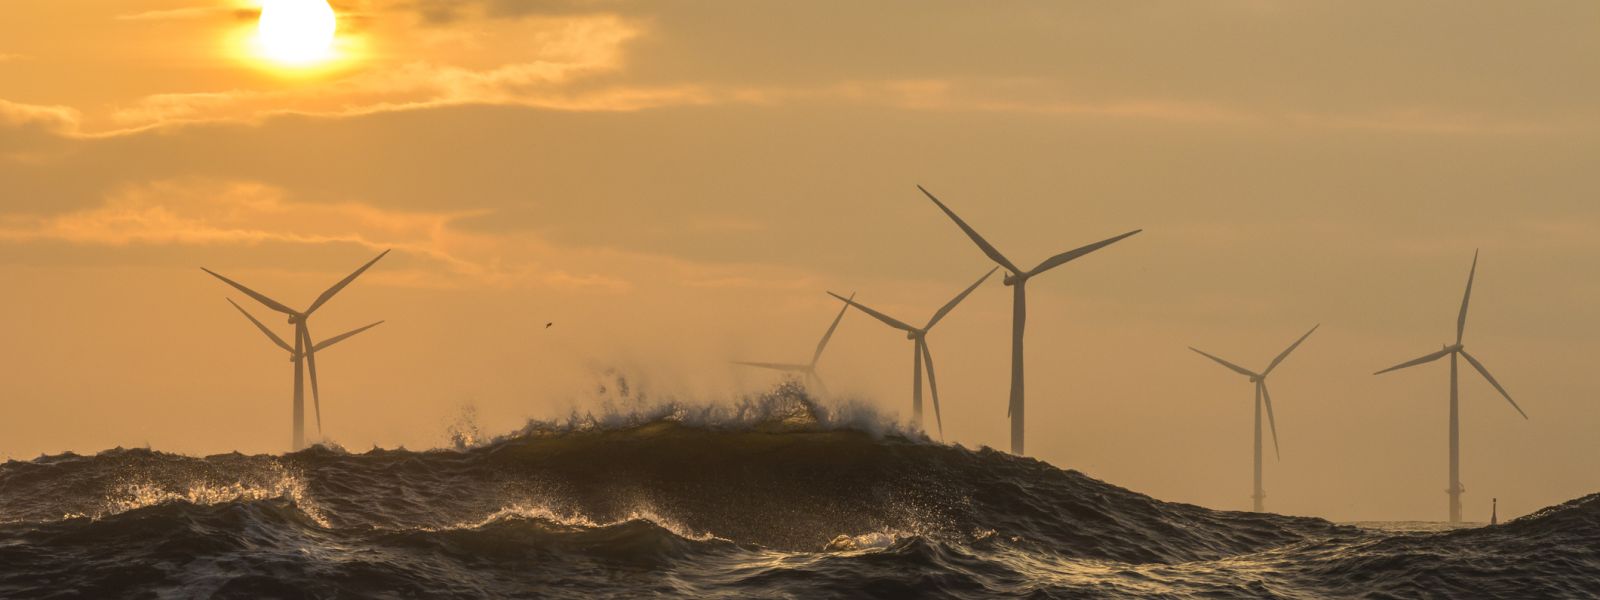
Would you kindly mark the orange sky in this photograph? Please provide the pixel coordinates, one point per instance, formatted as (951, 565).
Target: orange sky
(676, 185)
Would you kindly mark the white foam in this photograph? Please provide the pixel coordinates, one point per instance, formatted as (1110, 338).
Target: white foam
(574, 519)
(876, 540)
(281, 482)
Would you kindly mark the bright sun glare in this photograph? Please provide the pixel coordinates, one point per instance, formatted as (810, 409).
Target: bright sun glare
(296, 32)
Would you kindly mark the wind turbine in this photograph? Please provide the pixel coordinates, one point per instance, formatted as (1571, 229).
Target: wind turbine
(1455, 490)
(304, 352)
(295, 355)
(1262, 396)
(919, 351)
(808, 370)
(1018, 280)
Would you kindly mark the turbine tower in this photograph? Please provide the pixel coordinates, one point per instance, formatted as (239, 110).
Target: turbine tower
(304, 352)
(808, 370)
(1018, 280)
(295, 355)
(1262, 397)
(919, 351)
(1455, 490)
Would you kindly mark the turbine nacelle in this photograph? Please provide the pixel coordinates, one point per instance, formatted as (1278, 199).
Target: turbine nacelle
(1015, 279)
(1453, 348)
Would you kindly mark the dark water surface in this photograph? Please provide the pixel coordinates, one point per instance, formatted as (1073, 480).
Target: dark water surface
(777, 509)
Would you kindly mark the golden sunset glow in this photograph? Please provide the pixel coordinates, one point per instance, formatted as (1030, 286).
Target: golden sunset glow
(580, 190)
(296, 32)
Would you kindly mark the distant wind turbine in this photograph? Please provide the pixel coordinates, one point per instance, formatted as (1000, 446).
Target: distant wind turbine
(808, 370)
(1018, 279)
(304, 352)
(1262, 396)
(1458, 349)
(919, 352)
(295, 355)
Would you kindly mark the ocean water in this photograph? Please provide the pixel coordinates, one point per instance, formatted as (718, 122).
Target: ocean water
(766, 504)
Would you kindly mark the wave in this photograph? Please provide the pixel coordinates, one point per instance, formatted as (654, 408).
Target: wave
(780, 497)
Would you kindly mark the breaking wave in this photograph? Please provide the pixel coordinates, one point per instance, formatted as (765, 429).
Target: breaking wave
(775, 497)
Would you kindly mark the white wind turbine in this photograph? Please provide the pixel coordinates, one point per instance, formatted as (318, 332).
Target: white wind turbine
(304, 352)
(919, 351)
(1455, 490)
(808, 370)
(1262, 396)
(1018, 279)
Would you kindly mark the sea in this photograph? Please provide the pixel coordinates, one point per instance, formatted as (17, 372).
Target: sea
(775, 498)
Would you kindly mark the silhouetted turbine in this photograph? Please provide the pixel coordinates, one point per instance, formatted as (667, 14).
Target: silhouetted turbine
(1260, 381)
(1456, 489)
(808, 370)
(1019, 313)
(295, 355)
(919, 352)
(304, 352)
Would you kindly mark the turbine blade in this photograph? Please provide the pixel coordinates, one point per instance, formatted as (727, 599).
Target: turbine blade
(337, 287)
(1285, 354)
(888, 320)
(1417, 361)
(933, 386)
(342, 337)
(774, 366)
(951, 305)
(829, 335)
(259, 325)
(1271, 420)
(265, 301)
(1238, 369)
(1071, 255)
(311, 363)
(983, 244)
(1461, 321)
(1485, 372)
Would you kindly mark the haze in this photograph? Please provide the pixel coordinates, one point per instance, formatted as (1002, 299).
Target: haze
(676, 185)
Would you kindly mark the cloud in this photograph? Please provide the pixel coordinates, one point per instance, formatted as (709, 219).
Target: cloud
(1042, 60)
(200, 212)
(31, 132)
(209, 213)
(188, 13)
(446, 12)
(58, 119)
(558, 53)
(1056, 99)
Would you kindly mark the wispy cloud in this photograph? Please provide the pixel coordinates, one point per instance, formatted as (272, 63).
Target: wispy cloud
(242, 214)
(60, 119)
(192, 12)
(564, 51)
(32, 132)
(558, 86)
(210, 212)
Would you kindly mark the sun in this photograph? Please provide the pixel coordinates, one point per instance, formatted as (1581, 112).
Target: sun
(296, 32)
